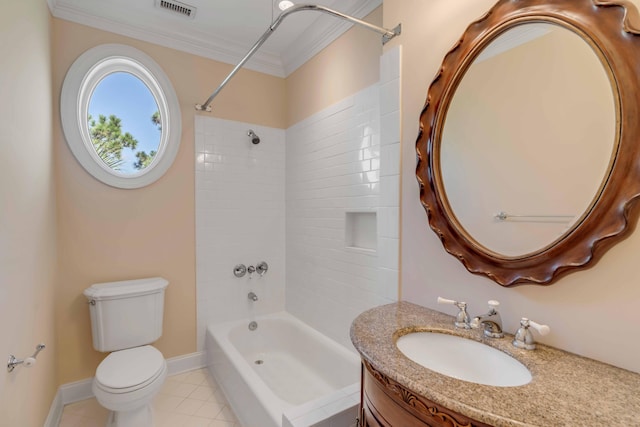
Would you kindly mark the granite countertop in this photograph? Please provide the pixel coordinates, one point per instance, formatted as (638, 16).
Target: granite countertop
(565, 390)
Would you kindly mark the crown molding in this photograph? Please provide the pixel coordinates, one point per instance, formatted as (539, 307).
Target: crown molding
(320, 35)
(226, 51)
(317, 36)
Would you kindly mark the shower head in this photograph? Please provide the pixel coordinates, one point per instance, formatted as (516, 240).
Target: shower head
(255, 139)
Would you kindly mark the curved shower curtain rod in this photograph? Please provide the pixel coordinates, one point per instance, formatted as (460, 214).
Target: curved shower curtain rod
(386, 36)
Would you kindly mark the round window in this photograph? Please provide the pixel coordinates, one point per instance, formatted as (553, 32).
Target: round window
(120, 116)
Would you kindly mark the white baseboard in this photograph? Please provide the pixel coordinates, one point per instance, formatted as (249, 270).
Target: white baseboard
(187, 362)
(55, 411)
(76, 391)
(67, 393)
(81, 390)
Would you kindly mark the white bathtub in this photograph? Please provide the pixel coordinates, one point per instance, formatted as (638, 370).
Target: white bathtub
(284, 374)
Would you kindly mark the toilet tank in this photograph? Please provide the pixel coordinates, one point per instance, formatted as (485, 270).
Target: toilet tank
(126, 314)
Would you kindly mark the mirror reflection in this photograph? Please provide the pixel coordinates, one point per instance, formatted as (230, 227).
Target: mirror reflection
(528, 139)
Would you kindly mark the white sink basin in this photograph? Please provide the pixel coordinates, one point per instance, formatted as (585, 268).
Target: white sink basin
(463, 359)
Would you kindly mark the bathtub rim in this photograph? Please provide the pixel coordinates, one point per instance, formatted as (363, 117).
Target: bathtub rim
(219, 333)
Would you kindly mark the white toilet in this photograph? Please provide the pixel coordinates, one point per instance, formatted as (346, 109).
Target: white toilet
(125, 317)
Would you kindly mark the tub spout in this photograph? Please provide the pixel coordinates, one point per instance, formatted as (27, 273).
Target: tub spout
(252, 296)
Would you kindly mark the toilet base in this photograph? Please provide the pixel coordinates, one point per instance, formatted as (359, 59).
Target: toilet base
(131, 407)
(142, 417)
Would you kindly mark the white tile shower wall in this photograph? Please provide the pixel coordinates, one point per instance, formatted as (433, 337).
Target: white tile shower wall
(334, 166)
(389, 211)
(240, 219)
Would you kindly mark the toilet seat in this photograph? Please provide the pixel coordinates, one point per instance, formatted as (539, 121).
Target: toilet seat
(125, 371)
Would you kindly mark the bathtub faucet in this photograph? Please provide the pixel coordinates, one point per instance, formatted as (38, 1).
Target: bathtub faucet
(252, 296)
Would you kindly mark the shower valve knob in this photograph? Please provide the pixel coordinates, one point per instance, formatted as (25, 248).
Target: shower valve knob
(262, 268)
(239, 270)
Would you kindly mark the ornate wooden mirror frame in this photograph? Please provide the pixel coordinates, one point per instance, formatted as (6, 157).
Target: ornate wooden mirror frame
(612, 28)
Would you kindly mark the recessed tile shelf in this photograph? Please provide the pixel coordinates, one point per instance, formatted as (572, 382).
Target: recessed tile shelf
(361, 231)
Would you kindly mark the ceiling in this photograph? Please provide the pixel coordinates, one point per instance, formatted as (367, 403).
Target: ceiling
(223, 30)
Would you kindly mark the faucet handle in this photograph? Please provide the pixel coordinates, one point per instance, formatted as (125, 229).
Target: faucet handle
(262, 268)
(524, 337)
(446, 301)
(541, 329)
(462, 318)
(493, 304)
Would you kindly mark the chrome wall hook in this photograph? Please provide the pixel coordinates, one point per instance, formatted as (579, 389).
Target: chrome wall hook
(28, 362)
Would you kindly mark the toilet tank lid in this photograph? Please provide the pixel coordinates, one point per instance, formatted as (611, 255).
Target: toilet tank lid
(125, 288)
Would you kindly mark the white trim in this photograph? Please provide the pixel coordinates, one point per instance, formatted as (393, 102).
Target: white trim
(81, 390)
(55, 411)
(84, 75)
(317, 36)
(187, 362)
(216, 48)
(76, 391)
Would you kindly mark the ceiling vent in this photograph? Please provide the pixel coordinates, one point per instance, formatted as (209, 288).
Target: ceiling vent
(177, 8)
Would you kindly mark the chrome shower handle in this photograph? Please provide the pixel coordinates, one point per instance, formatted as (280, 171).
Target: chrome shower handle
(239, 270)
(262, 268)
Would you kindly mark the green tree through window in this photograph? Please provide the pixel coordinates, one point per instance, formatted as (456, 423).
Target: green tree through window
(129, 136)
(120, 116)
(109, 141)
(144, 159)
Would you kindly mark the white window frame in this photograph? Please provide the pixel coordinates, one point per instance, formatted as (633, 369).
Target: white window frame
(83, 77)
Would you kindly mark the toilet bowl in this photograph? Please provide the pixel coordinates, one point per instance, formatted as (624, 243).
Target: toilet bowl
(126, 317)
(126, 382)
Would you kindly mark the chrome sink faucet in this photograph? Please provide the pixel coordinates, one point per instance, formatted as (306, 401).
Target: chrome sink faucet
(490, 321)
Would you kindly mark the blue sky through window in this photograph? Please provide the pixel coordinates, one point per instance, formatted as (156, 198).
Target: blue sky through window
(127, 97)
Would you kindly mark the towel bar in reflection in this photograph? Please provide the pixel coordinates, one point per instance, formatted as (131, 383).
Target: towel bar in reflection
(503, 216)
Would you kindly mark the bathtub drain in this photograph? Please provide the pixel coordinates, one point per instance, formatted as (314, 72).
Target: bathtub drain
(253, 326)
(259, 362)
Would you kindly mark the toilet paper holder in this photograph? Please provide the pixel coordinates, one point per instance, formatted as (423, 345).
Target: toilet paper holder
(28, 361)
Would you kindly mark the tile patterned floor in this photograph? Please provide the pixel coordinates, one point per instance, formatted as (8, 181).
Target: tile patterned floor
(190, 399)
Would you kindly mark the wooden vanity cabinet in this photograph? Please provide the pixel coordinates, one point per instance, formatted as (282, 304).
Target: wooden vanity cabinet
(385, 403)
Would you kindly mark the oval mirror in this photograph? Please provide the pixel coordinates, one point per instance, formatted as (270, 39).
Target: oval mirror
(528, 159)
(527, 139)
